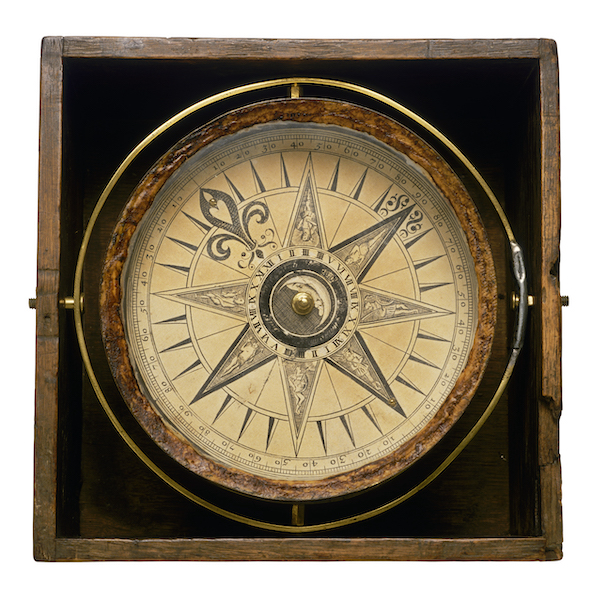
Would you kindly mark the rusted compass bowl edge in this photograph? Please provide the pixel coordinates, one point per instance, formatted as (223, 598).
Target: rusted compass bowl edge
(113, 330)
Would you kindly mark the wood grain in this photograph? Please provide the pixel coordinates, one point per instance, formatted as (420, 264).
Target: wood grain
(259, 549)
(551, 390)
(317, 49)
(47, 330)
(501, 498)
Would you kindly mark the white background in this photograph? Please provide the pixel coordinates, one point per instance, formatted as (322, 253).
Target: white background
(573, 27)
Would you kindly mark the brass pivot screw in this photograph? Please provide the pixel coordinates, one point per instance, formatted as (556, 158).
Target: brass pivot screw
(69, 303)
(303, 303)
(515, 301)
(564, 301)
(65, 303)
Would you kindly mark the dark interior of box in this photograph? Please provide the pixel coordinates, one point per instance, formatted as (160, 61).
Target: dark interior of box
(487, 108)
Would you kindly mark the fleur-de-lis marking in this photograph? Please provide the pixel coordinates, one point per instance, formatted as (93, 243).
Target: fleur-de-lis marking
(221, 211)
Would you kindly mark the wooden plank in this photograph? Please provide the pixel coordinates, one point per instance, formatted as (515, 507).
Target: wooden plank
(258, 549)
(47, 334)
(212, 48)
(280, 49)
(489, 49)
(550, 356)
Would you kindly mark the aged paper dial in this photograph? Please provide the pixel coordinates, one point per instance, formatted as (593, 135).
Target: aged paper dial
(301, 301)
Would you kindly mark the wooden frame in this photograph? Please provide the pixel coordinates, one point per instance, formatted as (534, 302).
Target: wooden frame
(68, 526)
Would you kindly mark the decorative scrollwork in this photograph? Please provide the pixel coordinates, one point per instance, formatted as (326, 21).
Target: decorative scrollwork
(221, 211)
(413, 225)
(216, 246)
(393, 204)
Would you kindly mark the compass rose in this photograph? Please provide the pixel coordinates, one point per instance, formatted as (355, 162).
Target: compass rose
(303, 303)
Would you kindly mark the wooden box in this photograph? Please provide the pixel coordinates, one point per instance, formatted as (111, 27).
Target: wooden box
(497, 100)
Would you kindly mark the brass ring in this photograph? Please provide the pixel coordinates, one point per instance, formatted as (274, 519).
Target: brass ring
(295, 83)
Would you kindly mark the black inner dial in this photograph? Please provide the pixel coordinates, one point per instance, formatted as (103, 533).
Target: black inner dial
(321, 284)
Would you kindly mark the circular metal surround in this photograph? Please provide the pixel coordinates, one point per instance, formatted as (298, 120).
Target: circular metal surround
(309, 111)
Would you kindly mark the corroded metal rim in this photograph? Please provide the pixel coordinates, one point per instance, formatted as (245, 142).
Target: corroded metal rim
(305, 111)
(294, 82)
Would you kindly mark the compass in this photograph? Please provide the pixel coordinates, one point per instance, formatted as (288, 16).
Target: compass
(298, 300)
(288, 312)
